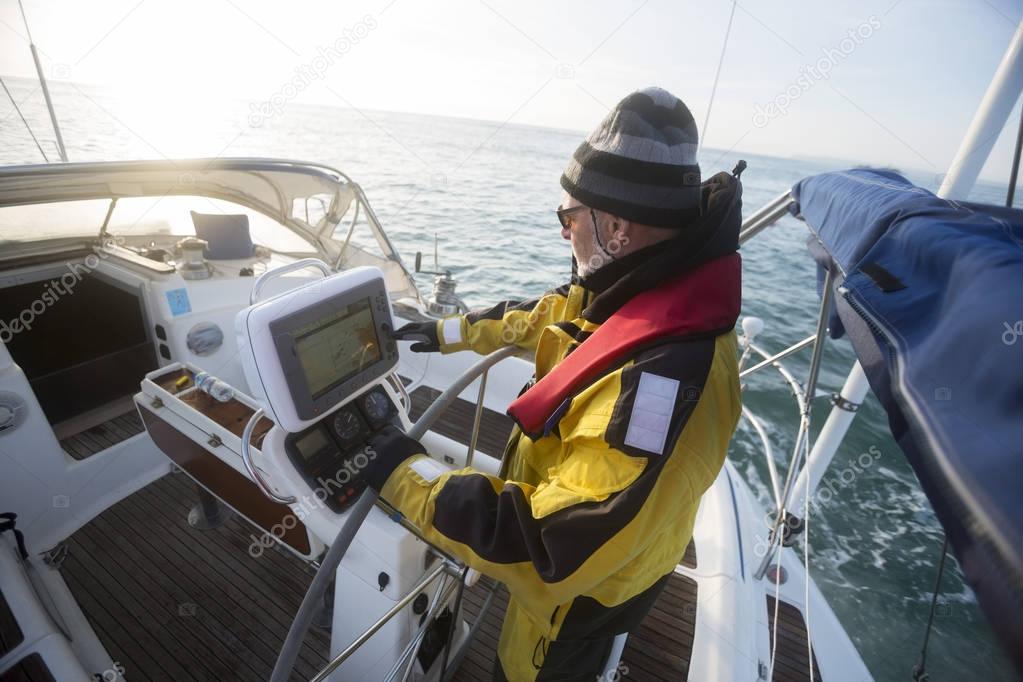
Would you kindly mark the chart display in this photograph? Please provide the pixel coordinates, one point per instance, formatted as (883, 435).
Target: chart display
(337, 346)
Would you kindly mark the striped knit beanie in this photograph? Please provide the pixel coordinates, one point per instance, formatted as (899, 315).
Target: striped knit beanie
(640, 162)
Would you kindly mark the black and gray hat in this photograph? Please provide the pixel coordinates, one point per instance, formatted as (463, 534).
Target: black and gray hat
(640, 162)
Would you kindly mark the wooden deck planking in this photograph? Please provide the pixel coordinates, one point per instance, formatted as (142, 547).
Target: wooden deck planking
(457, 421)
(173, 603)
(659, 649)
(102, 436)
(791, 662)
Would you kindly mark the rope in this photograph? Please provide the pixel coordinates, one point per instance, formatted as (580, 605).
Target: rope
(920, 673)
(22, 117)
(717, 75)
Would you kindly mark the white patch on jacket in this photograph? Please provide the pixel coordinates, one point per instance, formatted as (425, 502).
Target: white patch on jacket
(651, 412)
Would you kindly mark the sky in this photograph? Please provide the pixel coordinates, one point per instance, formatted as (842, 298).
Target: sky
(893, 82)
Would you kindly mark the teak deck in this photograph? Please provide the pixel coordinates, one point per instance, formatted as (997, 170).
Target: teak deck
(173, 603)
(102, 436)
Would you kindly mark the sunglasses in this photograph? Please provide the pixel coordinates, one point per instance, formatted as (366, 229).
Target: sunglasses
(564, 213)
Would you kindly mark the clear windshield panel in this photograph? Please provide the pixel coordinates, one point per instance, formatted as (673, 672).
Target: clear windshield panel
(357, 243)
(167, 216)
(357, 238)
(34, 222)
(172, 216)
(312, 210)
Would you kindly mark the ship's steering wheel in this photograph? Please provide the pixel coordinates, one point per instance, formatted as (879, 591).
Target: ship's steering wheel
(356, 516)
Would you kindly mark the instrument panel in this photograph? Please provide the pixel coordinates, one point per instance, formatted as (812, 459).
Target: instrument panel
(330, 454)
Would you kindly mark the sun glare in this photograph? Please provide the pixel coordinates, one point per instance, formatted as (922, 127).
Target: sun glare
(173, 118)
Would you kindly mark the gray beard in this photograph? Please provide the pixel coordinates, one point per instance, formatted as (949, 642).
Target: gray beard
(589, 264)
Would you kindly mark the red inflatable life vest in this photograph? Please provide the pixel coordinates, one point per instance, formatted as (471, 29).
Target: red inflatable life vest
(702, 300)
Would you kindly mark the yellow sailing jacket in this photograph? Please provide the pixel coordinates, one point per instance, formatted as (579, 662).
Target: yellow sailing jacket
(601, 504)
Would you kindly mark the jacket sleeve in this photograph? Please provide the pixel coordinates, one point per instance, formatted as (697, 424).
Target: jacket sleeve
(507, 323)
(605, 502)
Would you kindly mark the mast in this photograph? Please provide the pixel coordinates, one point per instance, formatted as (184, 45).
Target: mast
(46, 90)
(987, 123)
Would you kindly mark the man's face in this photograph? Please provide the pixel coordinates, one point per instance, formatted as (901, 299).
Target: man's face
(597, 237)
(579, 229)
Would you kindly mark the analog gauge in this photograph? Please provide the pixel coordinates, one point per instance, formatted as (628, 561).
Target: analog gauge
(377, 406)
(347, 426)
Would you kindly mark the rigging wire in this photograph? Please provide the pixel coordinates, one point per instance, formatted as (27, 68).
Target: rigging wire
(24, 18)
(1014, 172)
(61, 150)
(22, 117)
(806, 565)
(717, 74)
(777, 549)
(920, 673)
(777, 604)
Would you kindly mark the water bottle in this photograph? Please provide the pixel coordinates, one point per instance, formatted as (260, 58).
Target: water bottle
(208, 383)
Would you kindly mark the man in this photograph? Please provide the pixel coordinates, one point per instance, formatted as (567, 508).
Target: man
(636, 396)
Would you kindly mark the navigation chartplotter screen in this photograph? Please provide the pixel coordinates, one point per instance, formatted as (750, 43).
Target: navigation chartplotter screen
(337, 346)
(327, 342)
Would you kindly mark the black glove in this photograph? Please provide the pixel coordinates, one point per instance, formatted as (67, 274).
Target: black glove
(388, 448)
(425, 333)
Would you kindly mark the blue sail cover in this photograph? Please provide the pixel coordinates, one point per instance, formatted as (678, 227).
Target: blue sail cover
(930, 293)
